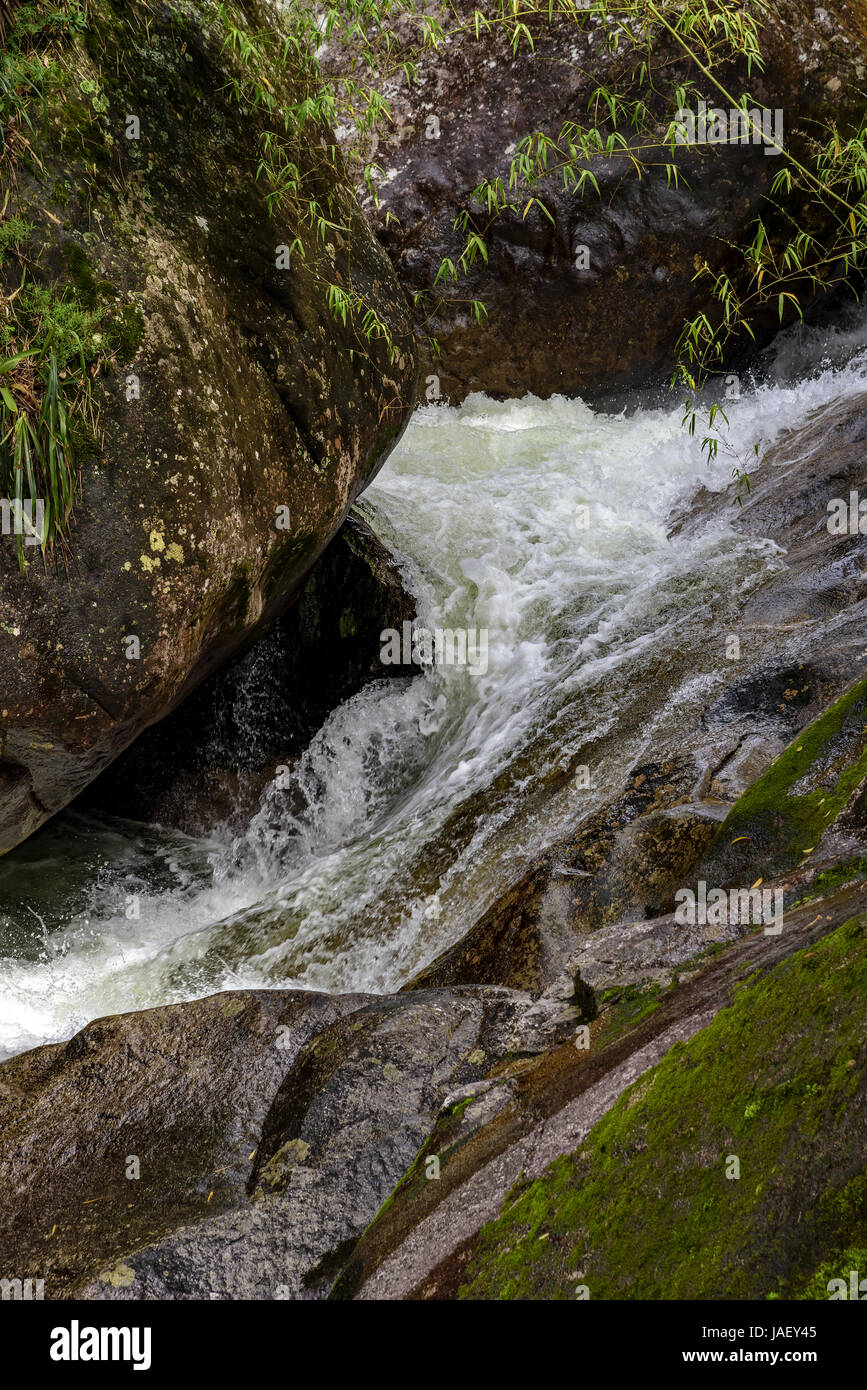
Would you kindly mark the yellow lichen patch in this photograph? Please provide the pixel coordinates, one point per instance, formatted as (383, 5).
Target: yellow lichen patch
(121, 1277)
(175, 552)
(149, 563)
(157, 540)
(232, 1007)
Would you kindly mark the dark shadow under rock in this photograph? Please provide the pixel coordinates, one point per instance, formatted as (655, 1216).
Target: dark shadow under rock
(209, 760)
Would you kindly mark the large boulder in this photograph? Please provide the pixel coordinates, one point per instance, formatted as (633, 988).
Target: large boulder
(553, 323)
(226, 390)
(236, 1146)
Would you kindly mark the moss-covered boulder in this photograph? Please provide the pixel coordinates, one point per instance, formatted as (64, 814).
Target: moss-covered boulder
(496, 1138)
(808, 808)
(736, 1168)
(223, 418)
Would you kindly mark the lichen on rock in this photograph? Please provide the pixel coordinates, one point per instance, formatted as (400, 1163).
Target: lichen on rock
(237, 418)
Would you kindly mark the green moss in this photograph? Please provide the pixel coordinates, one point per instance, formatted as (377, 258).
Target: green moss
(348, 626)
(124, 333)
(28, 66)
(56, 322)
(840, 1267)
(86, 289)
(645, 1208)
(805, 789)
(14, 231)
(832, 879)
(460, 1106)
(83, 440)
(624, 1008)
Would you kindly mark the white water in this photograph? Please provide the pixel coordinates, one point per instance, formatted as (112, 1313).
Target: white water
(420, 794)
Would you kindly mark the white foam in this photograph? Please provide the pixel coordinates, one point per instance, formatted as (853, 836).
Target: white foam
(417, 792)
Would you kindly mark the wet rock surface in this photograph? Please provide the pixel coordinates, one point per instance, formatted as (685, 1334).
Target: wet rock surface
(276, 1143)
(268, 1127)
(800, 643)
(764, 1109)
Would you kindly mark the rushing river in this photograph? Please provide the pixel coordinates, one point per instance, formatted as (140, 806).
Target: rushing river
(548, 525)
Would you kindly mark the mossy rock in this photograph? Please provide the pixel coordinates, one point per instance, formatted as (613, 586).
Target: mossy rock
(226, 390)
(782, 818)
(649, 1206)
